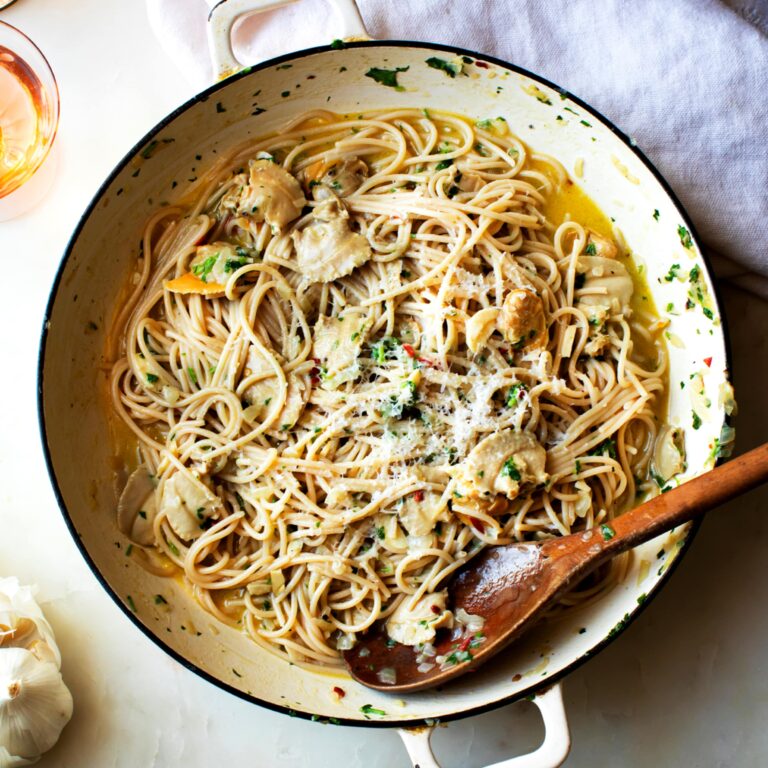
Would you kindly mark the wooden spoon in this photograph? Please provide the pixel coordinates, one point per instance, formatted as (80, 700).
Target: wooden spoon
(510, 587)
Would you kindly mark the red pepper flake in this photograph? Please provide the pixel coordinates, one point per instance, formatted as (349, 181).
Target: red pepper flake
(708, 362)
(464, 644)
(418, 495)
(482, 65)
(478, 524)
(435, 609)
(430, 363)
(409, 350)
(340, 692)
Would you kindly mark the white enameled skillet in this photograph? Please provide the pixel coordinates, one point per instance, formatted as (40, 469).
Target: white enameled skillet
(252, 101)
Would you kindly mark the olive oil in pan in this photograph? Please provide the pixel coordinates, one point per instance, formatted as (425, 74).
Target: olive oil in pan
(569, 200)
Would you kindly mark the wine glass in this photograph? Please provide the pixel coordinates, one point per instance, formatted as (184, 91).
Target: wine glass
(29, 117)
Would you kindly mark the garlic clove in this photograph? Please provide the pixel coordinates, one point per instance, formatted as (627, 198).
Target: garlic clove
(7, 760)
(35, 704)
(22, 624)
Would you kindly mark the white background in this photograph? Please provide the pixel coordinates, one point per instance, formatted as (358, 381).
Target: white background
(685, 685)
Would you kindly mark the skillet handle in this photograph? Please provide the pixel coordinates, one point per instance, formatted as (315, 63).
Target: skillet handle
(551, 754)
(224, 14)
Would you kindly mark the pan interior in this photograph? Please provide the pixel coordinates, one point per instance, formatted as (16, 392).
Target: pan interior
(102, 252)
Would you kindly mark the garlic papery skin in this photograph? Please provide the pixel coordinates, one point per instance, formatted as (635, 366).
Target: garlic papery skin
(22, 624)
(35, 705)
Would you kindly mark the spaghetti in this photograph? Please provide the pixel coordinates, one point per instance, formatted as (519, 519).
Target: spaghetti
(358, 352)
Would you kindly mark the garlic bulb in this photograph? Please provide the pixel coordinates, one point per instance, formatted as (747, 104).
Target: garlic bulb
(35, 704)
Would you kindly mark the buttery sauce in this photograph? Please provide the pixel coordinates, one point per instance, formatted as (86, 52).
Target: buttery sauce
(570, 202)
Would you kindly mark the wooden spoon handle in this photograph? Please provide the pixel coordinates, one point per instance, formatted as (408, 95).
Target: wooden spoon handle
(693, 498)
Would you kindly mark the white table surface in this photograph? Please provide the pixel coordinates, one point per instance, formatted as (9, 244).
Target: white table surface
(685, 685)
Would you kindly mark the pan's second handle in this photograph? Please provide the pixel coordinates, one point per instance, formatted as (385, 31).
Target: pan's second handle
(224, 14)
(551, 754)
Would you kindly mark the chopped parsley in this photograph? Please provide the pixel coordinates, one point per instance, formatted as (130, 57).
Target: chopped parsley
(152, 378)
(160, 600)
(620, 626)
(673, 273)
(337, 44)
(656, 214)
(443, 164)
(385, 349)
(695, 420)
(607, 532)
(192, 375)
(661, 482)
(606, 448)
(386, 77)
(369, 709)
(685, 236)
(591, 249)
(510, 470)
(232, 265)
(203, 269)
(584, 122)
(131, 604)
(515, 394)
(458, 657)
(451, 68)
(146, 153)
(380, 534)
